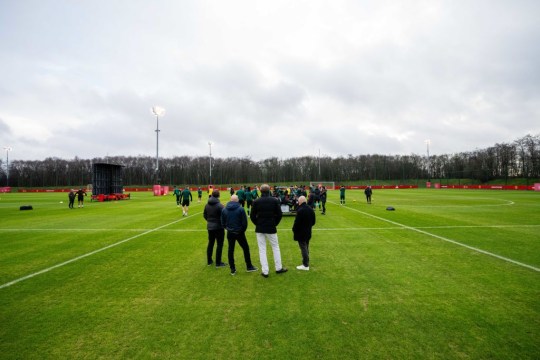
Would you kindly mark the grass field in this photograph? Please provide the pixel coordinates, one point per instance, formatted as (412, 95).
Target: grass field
(449, 274)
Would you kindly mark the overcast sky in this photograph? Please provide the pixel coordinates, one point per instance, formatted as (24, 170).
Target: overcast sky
(266, 78)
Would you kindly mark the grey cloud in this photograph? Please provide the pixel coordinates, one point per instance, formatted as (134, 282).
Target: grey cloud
(463, 75)
(4, 128)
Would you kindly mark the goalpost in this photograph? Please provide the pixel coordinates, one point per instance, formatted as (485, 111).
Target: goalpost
(330, 185)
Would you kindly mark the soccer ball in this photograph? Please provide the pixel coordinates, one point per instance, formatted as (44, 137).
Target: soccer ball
(61, 202)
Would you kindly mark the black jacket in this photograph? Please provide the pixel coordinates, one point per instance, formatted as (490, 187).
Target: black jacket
(212, 214)
(304, 221)
(266, 214)
(234, 218)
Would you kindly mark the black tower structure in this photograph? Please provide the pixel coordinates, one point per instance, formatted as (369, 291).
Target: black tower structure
(107, 179)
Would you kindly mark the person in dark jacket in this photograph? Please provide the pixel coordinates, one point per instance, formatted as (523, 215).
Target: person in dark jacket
(304, 221)
(216, 233)
(368, 193)
(324, 195)
(71, 197)
(311, 200)
(234, 219)
(266, 215)
(317, 197)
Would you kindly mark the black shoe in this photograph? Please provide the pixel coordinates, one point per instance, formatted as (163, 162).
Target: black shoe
(220, 265)
(210, 263)
(233, 272)
(252, 269)
(264, 275)
(281, 271)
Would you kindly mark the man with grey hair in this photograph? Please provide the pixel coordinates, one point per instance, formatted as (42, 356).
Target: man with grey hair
(304, 221)
(266, 215)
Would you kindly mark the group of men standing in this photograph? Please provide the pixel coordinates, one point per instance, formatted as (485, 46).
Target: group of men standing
(266, 215)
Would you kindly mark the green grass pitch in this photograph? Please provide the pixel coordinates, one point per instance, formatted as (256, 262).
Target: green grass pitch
(450, 274)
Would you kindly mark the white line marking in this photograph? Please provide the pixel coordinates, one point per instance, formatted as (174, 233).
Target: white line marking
(506, 203)
(447, 240)
(89, 254)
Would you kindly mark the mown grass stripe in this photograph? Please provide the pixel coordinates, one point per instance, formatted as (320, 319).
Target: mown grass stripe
(288, 230)
(29, 276)
(446, 239)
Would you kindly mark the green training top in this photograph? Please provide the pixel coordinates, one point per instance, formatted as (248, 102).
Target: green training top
(186, 195)
(241, 194)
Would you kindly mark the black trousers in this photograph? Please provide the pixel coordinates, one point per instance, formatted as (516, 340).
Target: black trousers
(233, 237)
(213, 237)
(304, 248)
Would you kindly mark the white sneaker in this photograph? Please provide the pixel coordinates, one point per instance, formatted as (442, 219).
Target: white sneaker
(302, 267)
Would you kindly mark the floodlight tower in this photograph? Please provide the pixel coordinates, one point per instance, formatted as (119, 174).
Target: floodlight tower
(210, 158)
(8, 149)
(428, 159)
(157, 111)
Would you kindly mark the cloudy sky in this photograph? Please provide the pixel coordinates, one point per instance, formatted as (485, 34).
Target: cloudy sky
(266, 78)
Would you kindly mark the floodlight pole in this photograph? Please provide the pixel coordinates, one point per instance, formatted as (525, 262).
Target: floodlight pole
(210, 158)
(8, 149)
(157, 111)
(428, 160)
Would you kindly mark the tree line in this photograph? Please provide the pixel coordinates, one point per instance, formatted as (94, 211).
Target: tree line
(519, 159)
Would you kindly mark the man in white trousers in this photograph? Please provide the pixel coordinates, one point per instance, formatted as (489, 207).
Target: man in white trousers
(266, 215)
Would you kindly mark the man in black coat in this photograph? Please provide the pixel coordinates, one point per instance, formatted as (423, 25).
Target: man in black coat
(304, 221)
(216, 233)
(266, 215)
(368, 193)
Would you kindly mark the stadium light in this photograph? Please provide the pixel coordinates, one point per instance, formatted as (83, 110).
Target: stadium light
(428, 160)
(8, 149)
(210, 145)
(157, 111)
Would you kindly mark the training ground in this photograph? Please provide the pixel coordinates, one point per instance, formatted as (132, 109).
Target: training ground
(450, 274)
